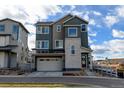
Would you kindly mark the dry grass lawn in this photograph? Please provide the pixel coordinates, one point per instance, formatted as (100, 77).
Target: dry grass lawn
(49, 85)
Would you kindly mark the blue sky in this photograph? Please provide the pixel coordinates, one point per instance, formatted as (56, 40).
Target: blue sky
(106, 27)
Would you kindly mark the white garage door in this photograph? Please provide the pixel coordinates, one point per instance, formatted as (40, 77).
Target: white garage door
(49, 64)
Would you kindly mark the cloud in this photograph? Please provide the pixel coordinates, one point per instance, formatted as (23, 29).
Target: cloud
(117, 33)
(14, 12)
(115, 45)
(72, 7)
(90, 40)
(111, 20)
(29, 13)
(99, 49)
(97, 13)
(111, 48)
(31, 41)
(91, 32)
(120, 11)
(92, 22)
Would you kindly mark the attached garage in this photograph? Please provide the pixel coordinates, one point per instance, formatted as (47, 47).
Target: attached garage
(49, 64)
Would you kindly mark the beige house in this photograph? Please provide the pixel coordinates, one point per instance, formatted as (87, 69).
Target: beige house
(13, 43)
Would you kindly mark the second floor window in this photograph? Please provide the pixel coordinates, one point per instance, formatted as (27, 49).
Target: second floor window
(39, 28)
(45, 44)
(38, 44)
(2, 28)
(83, 27)
(59, 43)
(15, 31)
(58, 28)
(72, 32)
(45, 30)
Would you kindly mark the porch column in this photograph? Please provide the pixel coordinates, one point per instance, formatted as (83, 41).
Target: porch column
(9, 59)
(91, 61)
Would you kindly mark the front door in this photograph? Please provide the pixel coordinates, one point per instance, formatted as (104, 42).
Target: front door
(84, 60)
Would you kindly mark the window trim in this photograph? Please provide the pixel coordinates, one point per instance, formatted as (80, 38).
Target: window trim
(38, 44)
(39, 30)
(3, 27)
(85, 28)
(41, 44)
(72, 50)
(17, 32)
(60, 28)
(72, 35)
(59, 47)
(44, 29)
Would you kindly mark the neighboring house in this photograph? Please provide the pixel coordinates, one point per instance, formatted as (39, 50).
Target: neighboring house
(13, 43)
(62, 45)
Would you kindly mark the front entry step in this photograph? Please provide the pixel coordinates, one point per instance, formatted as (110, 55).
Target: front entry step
(74, 73)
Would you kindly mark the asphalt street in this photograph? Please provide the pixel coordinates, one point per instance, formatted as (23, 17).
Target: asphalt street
(97, 81)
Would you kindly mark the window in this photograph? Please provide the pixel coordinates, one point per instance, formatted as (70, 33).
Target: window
(15, 31)
(59, 43)
(83, 27)
(38, 28)
(45, 30)
(72, 49)
(45, 44)
(58, 28)
(2, 28)
(72, 31)
(38, 44)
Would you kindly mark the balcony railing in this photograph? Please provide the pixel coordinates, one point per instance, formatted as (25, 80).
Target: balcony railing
(50, 51)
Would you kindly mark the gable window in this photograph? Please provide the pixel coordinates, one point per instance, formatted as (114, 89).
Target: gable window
(2, 28)
(45, 44)
(72, 32)
(83, 27)
(58, 28)
(45, 30)
(59, 43)
(15, 31)
(72, 49)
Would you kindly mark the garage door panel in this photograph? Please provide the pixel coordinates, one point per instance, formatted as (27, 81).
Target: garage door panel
(50, 65)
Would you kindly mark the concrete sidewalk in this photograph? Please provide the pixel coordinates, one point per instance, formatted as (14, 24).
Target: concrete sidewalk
(45, 74)
(90, 73)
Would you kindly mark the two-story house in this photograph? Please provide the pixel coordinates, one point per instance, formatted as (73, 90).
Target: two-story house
(13, 43)
(62, 45)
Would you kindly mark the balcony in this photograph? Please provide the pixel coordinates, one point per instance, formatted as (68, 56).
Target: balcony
(50, 51)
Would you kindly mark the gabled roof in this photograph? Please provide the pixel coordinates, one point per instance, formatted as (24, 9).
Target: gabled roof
(15, 22)
(43, 23)
(71, 17)
(63, 18)
(76, 17)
